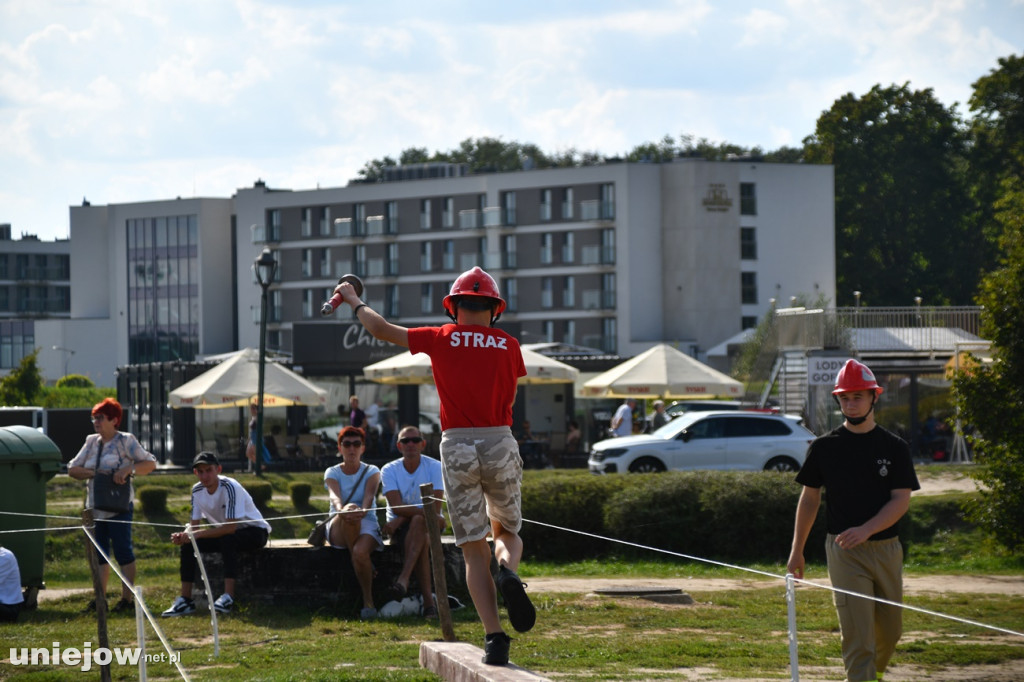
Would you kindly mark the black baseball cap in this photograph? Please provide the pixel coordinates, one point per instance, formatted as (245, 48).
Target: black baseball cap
(205, 458)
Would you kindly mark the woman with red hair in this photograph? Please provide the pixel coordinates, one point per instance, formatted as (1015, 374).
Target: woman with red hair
(117, 454)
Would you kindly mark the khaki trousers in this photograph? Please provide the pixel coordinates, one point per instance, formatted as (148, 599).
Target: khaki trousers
(870, 630)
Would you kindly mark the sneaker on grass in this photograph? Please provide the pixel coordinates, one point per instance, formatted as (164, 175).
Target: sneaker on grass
(180, 607)
(224, 603)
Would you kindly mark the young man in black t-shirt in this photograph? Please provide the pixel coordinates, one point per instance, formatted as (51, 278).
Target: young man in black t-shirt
(869, 474)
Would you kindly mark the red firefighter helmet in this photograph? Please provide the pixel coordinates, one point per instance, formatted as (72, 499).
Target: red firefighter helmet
(474, 282)
(855, 376)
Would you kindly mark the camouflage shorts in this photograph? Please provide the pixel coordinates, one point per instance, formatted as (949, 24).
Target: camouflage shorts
(483, 476)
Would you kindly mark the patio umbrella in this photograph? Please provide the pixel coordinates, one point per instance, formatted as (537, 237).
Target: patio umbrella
(235, 383)
(406, 368)
(661, 372)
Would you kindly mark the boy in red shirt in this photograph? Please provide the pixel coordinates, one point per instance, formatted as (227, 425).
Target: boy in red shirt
(475, 368)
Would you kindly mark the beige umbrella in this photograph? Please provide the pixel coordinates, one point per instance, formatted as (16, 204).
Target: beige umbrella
(661, 372)
(235, 383)
(406, 368)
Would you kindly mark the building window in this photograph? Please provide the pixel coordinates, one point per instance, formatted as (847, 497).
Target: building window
(508, 208)
(545, 205)
(448, 213)
(307, 263)
(608, 290)
(748, 322)
(275, 226)
(568, 204)
(325, 221)
(163, 288)
(359, 260)
(608, 247)
(547, 241)
(548, 332)
(748, 199)
(609, 335)
(608, 201)
(511, 294)
(748, 287)
(391, 301)
(391, 264)
(568, 247)
(426, 298)
(426, 257)
(307, 222)
(748, 243)
(425, 214)
(325, 262)
(307, 303)
(17, 339)
(391, 217)
(359, 220)
(508, 253)
(448, 255)
(547, 294)
(569, 336)
(569, 292)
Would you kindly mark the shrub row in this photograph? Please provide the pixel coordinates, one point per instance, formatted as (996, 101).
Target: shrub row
(724, 516)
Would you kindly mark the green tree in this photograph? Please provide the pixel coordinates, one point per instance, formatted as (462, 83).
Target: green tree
(24, 385)
(997, 143)
(990, 396)
(901, 197)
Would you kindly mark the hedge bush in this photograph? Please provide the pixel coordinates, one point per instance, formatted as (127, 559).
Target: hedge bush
(260, 491)
(720, 515)
(300, 493)
(153, 498)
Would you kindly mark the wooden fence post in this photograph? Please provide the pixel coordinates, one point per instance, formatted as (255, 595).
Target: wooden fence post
(444, 612)
(98, 590)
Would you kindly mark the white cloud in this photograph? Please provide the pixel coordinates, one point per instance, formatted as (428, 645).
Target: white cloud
(129, 100)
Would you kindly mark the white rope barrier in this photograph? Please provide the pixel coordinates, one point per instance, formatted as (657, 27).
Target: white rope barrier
(782, 577)
(139, 603)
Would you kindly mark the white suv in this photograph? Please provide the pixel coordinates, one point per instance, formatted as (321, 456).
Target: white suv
(708, 440)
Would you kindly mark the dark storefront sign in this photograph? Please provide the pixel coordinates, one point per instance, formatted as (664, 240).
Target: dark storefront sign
(331, 348)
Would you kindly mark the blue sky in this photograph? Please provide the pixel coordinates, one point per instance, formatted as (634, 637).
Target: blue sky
(136, 100)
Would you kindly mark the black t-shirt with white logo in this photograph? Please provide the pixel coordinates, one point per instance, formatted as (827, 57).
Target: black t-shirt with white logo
(859, 471)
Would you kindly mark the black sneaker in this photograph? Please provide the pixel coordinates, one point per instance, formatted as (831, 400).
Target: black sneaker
(521, 613)
(496, 648)
(123, 605)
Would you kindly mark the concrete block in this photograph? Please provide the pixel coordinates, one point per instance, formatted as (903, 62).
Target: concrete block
(460, 662)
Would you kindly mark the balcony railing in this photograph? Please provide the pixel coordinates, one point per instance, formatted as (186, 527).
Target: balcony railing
(902, 330)
(470, 219)
(595, 209)
(595, 254)
(595, 299)
(605, 343)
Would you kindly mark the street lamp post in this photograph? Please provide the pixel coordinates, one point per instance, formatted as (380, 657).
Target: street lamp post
(67, 356)
(265, 267)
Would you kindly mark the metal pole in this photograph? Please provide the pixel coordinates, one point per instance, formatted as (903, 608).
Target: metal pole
(794, 666)
(263, 359)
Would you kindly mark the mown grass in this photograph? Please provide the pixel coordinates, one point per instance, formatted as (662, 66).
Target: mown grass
(737, 634)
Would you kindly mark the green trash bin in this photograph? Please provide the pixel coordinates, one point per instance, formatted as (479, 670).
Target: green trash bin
(28, 459)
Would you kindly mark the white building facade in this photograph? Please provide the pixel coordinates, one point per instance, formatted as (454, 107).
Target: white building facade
(616, 257)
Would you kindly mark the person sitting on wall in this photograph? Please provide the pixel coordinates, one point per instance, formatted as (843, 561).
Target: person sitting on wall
(236, 526)
(406, 521)
(11, 598)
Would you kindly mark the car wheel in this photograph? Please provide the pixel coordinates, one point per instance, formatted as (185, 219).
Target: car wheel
(646, 465)
(782, 464)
